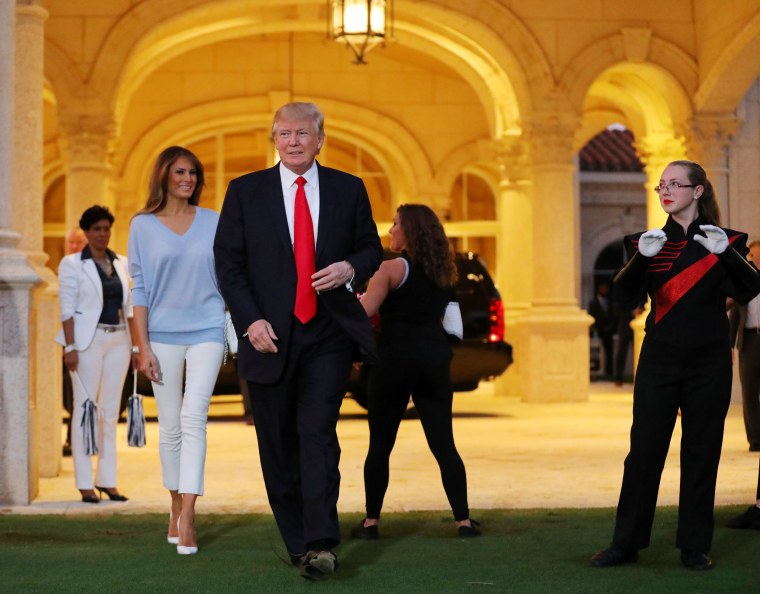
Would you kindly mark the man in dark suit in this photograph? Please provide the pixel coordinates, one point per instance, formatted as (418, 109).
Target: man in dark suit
(745, 336)
(605, 323)
(292, 242)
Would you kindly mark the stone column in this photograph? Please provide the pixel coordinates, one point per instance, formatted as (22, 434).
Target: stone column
(45, 397)
(555, 359)
(709, 140)
(18, 469)
(514, 248)
(88, 142)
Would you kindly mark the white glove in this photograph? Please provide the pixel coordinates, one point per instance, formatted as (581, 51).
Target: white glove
(716, 240)
(651, 242)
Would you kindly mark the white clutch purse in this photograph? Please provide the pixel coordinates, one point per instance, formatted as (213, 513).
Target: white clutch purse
(452, 320)
(230, 338)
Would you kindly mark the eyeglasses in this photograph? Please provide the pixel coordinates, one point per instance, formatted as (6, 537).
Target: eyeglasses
(674, 185)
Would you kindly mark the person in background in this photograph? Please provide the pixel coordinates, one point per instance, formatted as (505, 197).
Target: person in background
(605, 323)
(179, 323)
(73, 243)
(411, 294)
(623, 319)
(293, 241)
(744, 321)
(688, 268)
(745, 334)
(750, 518)
(95, 310)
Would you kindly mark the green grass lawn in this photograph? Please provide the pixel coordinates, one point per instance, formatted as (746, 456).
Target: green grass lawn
(521, 551)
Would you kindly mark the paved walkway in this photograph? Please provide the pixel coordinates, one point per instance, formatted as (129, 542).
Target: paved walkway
(517, 455)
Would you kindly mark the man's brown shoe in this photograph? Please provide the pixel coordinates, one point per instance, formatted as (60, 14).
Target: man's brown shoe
(318, 565)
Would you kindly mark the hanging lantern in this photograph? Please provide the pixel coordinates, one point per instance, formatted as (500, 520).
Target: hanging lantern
(361, 24)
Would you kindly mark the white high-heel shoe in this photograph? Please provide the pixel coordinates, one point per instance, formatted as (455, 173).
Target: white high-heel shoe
(173, 539)
(183, 550)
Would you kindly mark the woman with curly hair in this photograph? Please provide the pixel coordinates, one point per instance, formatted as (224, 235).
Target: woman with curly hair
(413, 293)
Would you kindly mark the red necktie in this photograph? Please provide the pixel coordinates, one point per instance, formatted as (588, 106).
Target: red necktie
(303, 249)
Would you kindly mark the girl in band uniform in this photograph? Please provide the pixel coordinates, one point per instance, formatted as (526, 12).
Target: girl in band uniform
(688, 269)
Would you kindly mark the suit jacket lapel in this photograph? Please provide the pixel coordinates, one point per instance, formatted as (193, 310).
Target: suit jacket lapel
(91, 272)
(276, 204)
(123, 275)
(327, 193)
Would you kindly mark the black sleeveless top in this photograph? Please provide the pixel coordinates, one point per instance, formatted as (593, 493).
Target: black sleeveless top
(417, 306)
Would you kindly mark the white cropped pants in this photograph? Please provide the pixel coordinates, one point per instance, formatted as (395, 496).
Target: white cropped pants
(102, 368)
(182, 419)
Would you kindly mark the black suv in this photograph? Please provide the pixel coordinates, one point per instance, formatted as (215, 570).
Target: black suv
(481, 354)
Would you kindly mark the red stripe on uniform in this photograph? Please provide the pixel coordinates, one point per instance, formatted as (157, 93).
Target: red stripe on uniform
(671, 292)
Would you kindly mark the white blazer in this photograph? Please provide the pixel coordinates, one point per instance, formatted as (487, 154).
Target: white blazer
(80, 293)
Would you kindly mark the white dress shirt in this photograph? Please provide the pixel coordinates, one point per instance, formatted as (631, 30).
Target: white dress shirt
(311, 187)
(753, 313)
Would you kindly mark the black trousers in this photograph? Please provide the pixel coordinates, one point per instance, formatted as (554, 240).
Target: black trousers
(749, 375)
(420, 369)
(698, 382)
(607, 345)
(296, 431)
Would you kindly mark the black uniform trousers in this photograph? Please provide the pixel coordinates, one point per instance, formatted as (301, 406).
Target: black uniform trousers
(420, 368)
(749, 375)
(698, 381)
(296, 431)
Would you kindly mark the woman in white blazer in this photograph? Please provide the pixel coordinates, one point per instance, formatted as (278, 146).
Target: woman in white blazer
(95, 313)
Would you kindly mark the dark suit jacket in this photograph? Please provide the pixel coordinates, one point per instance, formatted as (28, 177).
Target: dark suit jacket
(256, 267)
(605, 321)
(737, 318)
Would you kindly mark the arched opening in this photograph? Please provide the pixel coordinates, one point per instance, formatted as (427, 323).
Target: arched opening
(472, 200)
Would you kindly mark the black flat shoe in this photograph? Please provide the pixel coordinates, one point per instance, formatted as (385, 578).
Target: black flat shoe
(469, 531)
(614, 555)
(112, 495)
(748, 519)
(365, 532)
(696, 560)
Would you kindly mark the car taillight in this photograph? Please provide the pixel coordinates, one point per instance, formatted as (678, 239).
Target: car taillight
(495, 320)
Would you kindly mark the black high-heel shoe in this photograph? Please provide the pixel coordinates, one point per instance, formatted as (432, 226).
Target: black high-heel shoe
(469, 531)
(89, 498)
(111, 495)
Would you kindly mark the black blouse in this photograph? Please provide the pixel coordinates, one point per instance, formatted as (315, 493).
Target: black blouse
(113, 293)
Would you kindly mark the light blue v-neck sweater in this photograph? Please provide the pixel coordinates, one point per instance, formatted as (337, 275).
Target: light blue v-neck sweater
(174, 277)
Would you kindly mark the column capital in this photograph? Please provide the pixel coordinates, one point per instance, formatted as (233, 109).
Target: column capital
(709, 136)
(513, 158)
(88, 137)
(657, 150)
(551, 137)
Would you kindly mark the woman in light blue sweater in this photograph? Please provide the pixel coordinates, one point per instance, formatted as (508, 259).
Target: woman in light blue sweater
(179, 322)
